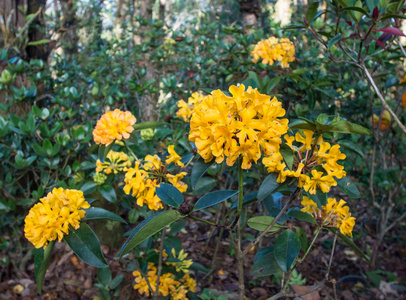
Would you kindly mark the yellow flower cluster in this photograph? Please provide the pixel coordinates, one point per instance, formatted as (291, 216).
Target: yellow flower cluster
(334, 214)
(168, 285)
(272, 50)
(245, 124)
(144, 178)
(113, 125)
(323, 155)
(186, 109)
(115, 162)
(183, 264)
(50, 219)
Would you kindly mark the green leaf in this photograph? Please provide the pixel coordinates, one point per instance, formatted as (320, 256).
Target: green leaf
(287, 247)
(301, 124)
(199, 168)
(320, 198)
(268, 186)
(205, 185)
(334, 40)
(394, 17)
(94, 213)
(150, 124)
(104, 276)
(312, 11)
(108, 193)
(287, 154)
(47, 147)
(213, 198)
(350, 145)
(88, 188)
(272, 84)
(38, 149)
(41, 262)
(302, 216)
(103, 151)
(40, 42)
(265, 263)
(149, 227)
(347, 186)
(344, 126)
(349, 242)
(358, 10)
(261, 223)
(84, 242)
(169, 194)
(302, 237)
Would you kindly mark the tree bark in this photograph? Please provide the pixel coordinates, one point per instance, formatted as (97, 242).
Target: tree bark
(37, 30)
(250, 10)
(69, 36)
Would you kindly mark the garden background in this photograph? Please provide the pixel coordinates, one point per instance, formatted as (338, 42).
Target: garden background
(65, 63)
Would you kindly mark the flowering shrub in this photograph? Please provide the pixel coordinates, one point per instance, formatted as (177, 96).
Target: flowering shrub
(243, 124)
(50, 219)
(272, 50)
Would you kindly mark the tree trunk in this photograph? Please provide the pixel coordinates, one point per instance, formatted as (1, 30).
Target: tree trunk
(36, 31)
(250, 10)
(69, 36)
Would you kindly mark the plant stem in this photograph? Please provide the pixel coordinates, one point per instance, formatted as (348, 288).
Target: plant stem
(254, 242)
(240, 188)
(129, 149)
(161, 249)
(311, 245)
(380, 96)
(202, 220)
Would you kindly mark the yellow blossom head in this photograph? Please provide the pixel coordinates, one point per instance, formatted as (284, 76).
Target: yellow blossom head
(50, 219)
(272, 50)
(186, 109)
(113, 125)
(243, 125)
(115, 162)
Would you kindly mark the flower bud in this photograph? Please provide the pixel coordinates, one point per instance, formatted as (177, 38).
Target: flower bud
(6, 77)
(147, 134)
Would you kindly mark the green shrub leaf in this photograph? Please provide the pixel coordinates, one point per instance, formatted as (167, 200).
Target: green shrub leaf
(169, 194)
(268, 186)
(199, 168)
(261, 223)
(287, 247)
(84, 242)
(149, 227)
(41, 262)
(213, 198)
(347, 186)
(94, 213)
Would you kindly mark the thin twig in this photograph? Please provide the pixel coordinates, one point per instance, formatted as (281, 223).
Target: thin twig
(161, 250)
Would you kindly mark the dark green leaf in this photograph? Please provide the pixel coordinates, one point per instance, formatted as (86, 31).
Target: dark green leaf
(287, 247)
(47, 146)
(301, 124)
(149, 227)
(86, 245)
(116, 281)
(352, 147)
(359, 11)
(93, 213)
(302, 216)
(88, 188)
(103, 151)
(261, 223)
(344, 126)
(248, 199)
(108, 193)
(213, 198)
(41, 263)
(272, 84)
(302, 237)
(265, 263)
(320, 198)
(312, 11)
(199, 168)
(169, 194)
(104, 276)
(394, 17)
(334, 40)
(347, 186)
(268, 186)
(287, 154)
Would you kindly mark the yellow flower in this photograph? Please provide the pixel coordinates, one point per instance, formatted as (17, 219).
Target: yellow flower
(402, 80)
(186, 109)
(306, 159)
(144, 178)
(318, 180)
(272, 50)
(113, 125)
(243, 125)
(183, 264)
(189, 282)
(173, 157)
(116, 162)
(50, 219)
(333, 214)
